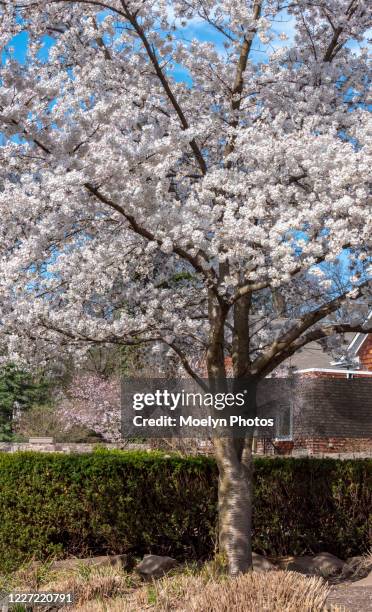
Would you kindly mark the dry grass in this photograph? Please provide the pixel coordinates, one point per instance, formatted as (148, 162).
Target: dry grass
(96, 585)
(88, 583)
(101, 584)
(257, 591)
(111, 589)
(264, 591)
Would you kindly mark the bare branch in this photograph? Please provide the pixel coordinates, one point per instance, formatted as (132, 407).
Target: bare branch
(313, 336)
(279, 346)
(186, 364)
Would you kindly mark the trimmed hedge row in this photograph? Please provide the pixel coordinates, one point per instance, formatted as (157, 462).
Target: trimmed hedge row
(113, 502)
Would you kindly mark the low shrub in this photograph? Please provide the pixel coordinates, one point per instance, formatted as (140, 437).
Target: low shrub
(111, 502)
(60, 505)
(312, 505)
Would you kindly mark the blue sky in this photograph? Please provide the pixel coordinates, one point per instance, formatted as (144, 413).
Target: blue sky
(18, 47)
(195, 29)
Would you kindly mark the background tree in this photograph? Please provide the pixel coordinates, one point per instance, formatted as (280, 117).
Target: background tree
(19, 391)
(167, 190)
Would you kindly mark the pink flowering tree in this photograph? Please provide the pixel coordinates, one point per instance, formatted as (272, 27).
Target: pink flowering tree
(92, 402)
(174, 171)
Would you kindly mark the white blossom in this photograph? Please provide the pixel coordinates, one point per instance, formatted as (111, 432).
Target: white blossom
(144, 181)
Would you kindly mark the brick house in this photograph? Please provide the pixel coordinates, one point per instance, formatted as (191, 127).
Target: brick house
(361, 347)
(321, 394)
(364, 352)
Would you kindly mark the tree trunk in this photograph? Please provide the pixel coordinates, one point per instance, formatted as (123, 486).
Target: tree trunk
(233, 455)
(235, 499)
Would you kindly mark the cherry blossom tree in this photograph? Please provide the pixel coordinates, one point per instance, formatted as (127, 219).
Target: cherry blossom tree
(174, 175)
(92, 402)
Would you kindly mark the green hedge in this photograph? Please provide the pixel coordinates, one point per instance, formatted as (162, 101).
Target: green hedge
(117, 502)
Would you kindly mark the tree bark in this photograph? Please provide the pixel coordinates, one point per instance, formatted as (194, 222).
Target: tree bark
(235, 501)
(215, 352)
(233, 454)
(240, 340)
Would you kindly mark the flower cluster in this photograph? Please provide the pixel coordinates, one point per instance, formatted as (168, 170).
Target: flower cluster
(149, 183)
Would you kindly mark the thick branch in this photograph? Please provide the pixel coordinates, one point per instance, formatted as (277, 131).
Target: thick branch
(247, 289)
(279, 346)
(314, 336)
(334, 45)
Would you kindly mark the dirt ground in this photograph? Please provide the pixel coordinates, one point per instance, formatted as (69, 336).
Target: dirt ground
(351, 598)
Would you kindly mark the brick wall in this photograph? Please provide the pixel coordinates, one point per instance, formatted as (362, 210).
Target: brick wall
(332, 408)
(318, 446)
(365, 354)
(330, 447)
(330, 415)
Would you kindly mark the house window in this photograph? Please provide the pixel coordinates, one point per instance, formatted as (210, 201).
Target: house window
(284, 424)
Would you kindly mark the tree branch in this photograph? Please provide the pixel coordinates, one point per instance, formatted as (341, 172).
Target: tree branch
(152, 56)
(263, 361)
(128, 342)
(109, 340)
(313, 336)
(186, 364)
(237, 90)
(165, 83)
(138, 229)
(251, 287)
(334, 46)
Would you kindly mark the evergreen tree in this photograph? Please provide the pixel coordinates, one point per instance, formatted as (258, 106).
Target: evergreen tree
(19, 391)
